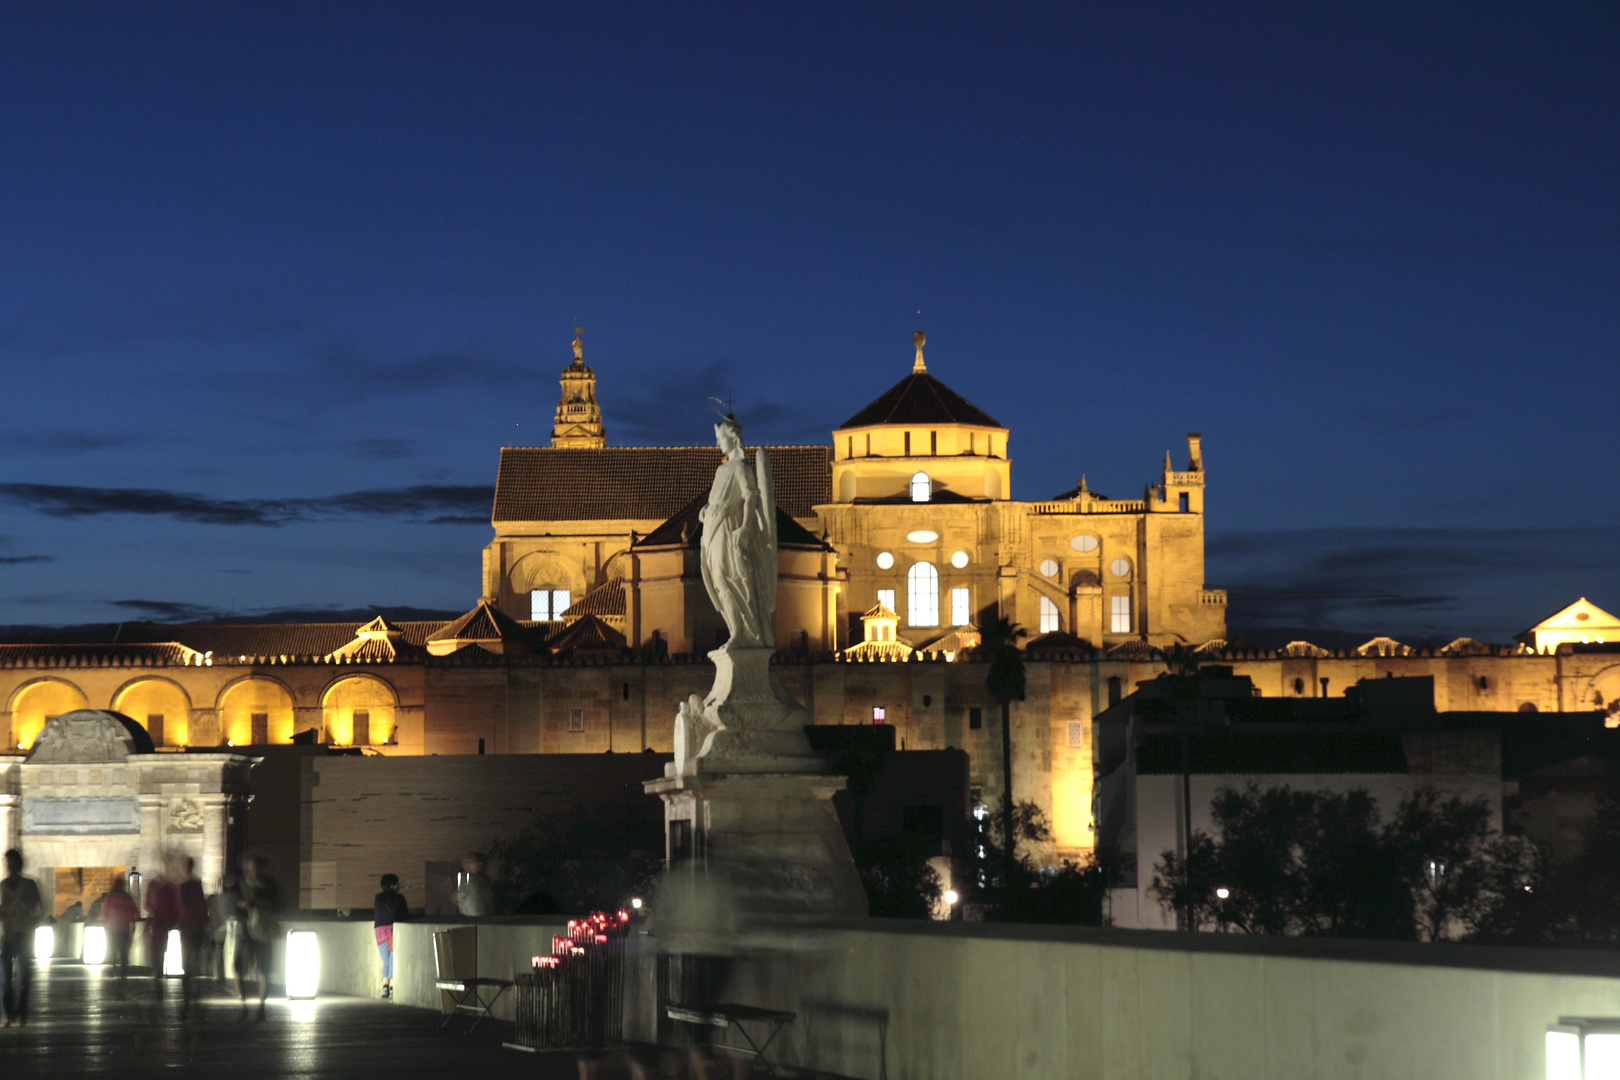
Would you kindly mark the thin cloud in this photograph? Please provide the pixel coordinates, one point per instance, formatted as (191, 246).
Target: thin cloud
(15, 560)
(433, 503)
(166, 610)
(63, 442)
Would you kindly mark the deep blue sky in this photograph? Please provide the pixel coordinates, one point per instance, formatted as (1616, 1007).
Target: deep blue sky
(255, 256)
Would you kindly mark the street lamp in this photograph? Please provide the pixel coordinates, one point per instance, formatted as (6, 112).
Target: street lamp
(1223, 892)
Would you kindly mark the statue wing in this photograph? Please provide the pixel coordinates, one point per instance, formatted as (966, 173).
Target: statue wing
(767, 513)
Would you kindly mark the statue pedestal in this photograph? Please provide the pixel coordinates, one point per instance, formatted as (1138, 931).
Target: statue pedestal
(754, 804)
(775, 836)
(754, 724)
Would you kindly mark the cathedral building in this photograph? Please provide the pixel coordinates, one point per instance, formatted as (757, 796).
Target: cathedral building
(898, 539)
(911, 511)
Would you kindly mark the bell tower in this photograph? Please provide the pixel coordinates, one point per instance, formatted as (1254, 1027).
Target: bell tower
(579, 418)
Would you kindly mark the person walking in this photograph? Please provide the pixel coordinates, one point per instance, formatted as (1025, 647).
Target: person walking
(163, 914)
(118, 917)
(193, 929)
(223, 914)
(388, 908)
(21, 909)
(259, 899)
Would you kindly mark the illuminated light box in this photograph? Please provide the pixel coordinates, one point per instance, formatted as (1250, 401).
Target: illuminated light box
(95, 946)
(44, 942)
(173, 961)
(303, 963)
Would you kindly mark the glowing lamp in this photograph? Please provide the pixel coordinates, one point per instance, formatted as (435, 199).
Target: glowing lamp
(173, 962)
(635, 902)
(95, 946)
(44, 941)
(303, 963)
(951, 898)
(1223, 892)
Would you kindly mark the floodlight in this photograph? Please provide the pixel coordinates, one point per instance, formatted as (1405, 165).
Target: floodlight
(303, 963)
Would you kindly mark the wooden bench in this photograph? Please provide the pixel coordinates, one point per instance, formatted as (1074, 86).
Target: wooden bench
(739, 1017)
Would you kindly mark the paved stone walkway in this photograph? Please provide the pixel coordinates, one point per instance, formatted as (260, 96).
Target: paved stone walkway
(80, 1026)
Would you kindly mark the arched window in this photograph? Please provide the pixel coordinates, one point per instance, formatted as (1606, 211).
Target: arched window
(1050, 622)
(922, 595)
(921, 487)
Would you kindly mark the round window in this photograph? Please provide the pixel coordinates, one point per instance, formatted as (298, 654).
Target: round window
(1121, 567)
(959, 559)
(885, 560)
(1084, 543)
(1049, 568)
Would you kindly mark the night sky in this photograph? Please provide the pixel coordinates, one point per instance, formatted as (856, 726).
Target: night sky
(277, 281)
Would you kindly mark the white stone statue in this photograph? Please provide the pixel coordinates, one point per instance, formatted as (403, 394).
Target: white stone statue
(739, 541)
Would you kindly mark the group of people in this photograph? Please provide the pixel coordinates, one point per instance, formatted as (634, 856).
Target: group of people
(174, 902)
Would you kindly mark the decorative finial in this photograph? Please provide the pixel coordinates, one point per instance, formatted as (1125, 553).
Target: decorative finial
(1083, 489)
(921, 339)
(579, 346)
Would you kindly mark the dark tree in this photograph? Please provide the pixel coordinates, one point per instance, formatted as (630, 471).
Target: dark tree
(1026, 892)
(1321, 863)
(590, 860)
(998, 643)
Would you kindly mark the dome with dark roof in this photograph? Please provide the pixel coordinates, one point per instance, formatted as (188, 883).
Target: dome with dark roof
(920, 399)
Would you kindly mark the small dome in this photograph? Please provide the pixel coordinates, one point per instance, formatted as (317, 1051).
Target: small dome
(90, 735)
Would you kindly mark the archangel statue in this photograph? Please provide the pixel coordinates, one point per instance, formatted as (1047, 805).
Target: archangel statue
(739, 541)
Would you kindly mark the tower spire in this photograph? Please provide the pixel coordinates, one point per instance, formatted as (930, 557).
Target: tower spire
(918, 367)
(579, 418)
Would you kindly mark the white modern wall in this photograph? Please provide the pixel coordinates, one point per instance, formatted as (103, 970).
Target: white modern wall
(970, 1001)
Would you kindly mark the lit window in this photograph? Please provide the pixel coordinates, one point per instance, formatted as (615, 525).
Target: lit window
(1120, 612)
(960, 560)
(886, 598)
(921, 487)
(885, 560)
(1121, 567)
(922, 595)
(547, 605)
(1049, 616)
(1085, 542)
(878, 714)
(960, 613)
(1049, 568)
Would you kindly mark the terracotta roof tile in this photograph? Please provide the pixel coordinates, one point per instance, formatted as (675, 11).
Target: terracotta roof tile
(642, 482)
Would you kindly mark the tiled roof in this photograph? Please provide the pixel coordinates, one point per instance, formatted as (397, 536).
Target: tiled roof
(36, 656)
(606, 600)
(684, 527)
(641, 482)
(483, 623)
(919, 398)
(265, 639)
(1060, 640)
(589, 632)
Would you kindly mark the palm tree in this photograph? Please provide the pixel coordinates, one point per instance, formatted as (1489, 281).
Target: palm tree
(998, 643)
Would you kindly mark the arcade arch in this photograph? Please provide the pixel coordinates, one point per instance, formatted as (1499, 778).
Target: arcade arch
(358, 710)
(38, 701)
(256, 710)
(158, 705)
